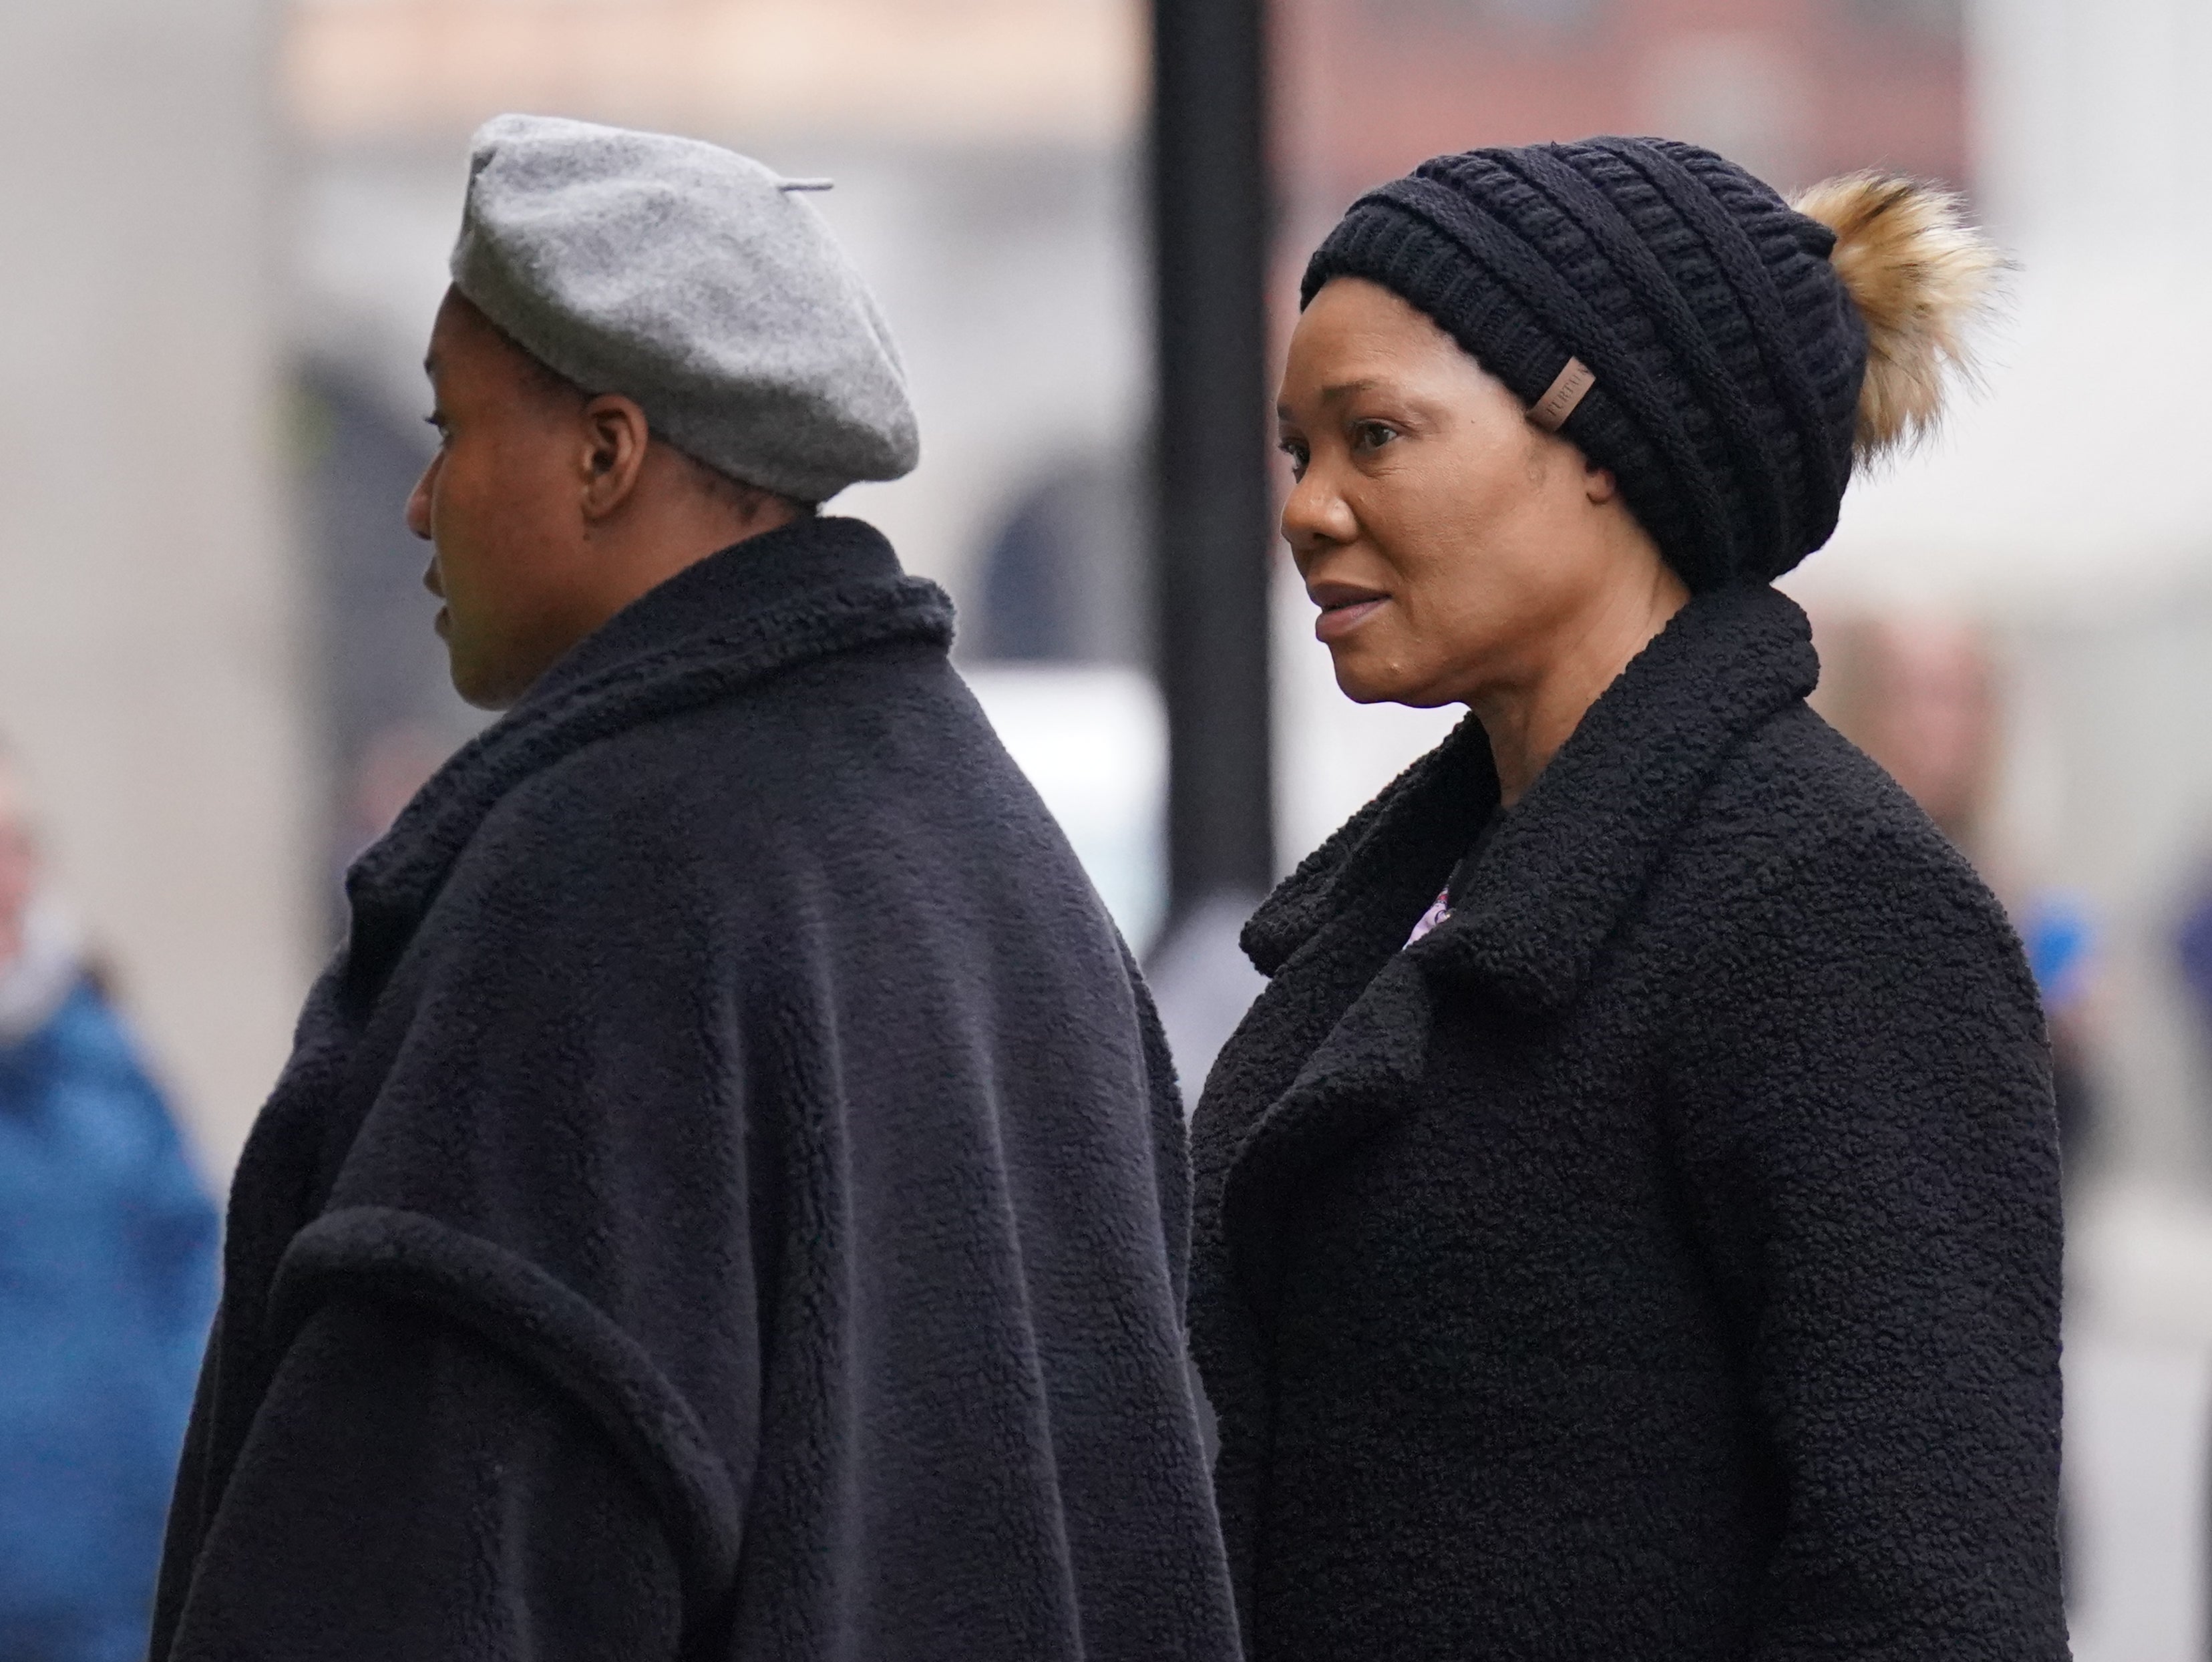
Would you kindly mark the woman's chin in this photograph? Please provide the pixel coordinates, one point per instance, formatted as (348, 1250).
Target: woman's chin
(1360, 678)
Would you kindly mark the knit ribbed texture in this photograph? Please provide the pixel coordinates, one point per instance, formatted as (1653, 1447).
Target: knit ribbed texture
(1727, 355)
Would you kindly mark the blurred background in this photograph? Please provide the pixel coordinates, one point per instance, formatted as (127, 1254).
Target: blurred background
(225, 224)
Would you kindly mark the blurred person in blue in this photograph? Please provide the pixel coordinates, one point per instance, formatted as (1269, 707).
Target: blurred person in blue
(1922, 696)
(729, 1196)
(107, 1280)
(2193, 946)
(2192, 943)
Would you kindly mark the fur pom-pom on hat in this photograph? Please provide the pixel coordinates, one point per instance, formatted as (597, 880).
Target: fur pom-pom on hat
(1921, 276)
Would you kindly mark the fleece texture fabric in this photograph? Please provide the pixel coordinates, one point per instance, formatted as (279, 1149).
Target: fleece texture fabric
(1660, 1258)
(1728, 352)
(696, 281)
(729, 1198)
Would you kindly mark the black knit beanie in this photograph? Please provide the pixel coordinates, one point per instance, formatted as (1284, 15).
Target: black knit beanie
(1728, 353)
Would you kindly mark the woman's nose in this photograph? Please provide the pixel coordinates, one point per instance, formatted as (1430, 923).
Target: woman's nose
(418, 502)
(1314, 516)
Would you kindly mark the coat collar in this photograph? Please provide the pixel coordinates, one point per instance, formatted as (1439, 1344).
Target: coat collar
(1569, 859)
(810, 589)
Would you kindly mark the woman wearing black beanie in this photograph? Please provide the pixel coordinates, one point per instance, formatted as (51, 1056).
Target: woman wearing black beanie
(1629, 1219)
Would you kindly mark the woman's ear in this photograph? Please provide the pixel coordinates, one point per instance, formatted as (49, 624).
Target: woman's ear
(615, 434)
(1598, 483)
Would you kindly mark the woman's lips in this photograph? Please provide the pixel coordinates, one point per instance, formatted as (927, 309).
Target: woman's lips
(1339, 617)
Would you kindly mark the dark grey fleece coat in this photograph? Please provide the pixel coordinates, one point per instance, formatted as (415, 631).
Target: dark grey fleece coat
(1659, 1259)
(728, 1198)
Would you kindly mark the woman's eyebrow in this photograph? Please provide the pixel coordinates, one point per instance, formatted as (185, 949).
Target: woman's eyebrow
(1335, 394)
(1343, 390)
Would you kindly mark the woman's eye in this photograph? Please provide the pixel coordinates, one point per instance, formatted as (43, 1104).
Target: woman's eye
(1296, 453)
(1372, 435)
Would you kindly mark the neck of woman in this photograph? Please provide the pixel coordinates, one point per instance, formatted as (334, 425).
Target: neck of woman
(1530, 717)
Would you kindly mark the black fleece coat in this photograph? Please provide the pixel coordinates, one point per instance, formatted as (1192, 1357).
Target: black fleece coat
(1659, 1259)
(728, 1198)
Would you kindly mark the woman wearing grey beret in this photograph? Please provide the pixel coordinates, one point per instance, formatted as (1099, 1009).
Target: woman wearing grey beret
(1628, 1220)
(729, 1196)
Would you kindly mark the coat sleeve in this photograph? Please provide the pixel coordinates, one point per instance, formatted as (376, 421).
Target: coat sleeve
(1871, 1160)
(557, 1161)
(408, 1490)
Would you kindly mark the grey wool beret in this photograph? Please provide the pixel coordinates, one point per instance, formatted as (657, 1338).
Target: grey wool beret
(696, 281)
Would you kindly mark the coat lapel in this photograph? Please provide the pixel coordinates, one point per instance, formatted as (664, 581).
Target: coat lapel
(1340, 1039)
(1566, 865)
(1323, 936)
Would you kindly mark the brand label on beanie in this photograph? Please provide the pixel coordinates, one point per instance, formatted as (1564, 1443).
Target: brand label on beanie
(1551, 412)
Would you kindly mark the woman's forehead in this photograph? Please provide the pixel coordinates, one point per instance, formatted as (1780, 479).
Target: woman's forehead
(1358, 337)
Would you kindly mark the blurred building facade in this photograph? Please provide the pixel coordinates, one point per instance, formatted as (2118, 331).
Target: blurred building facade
(1794, 89)
(151, 661)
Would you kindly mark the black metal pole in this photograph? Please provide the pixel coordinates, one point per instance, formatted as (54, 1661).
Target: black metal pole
(1212, 536)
